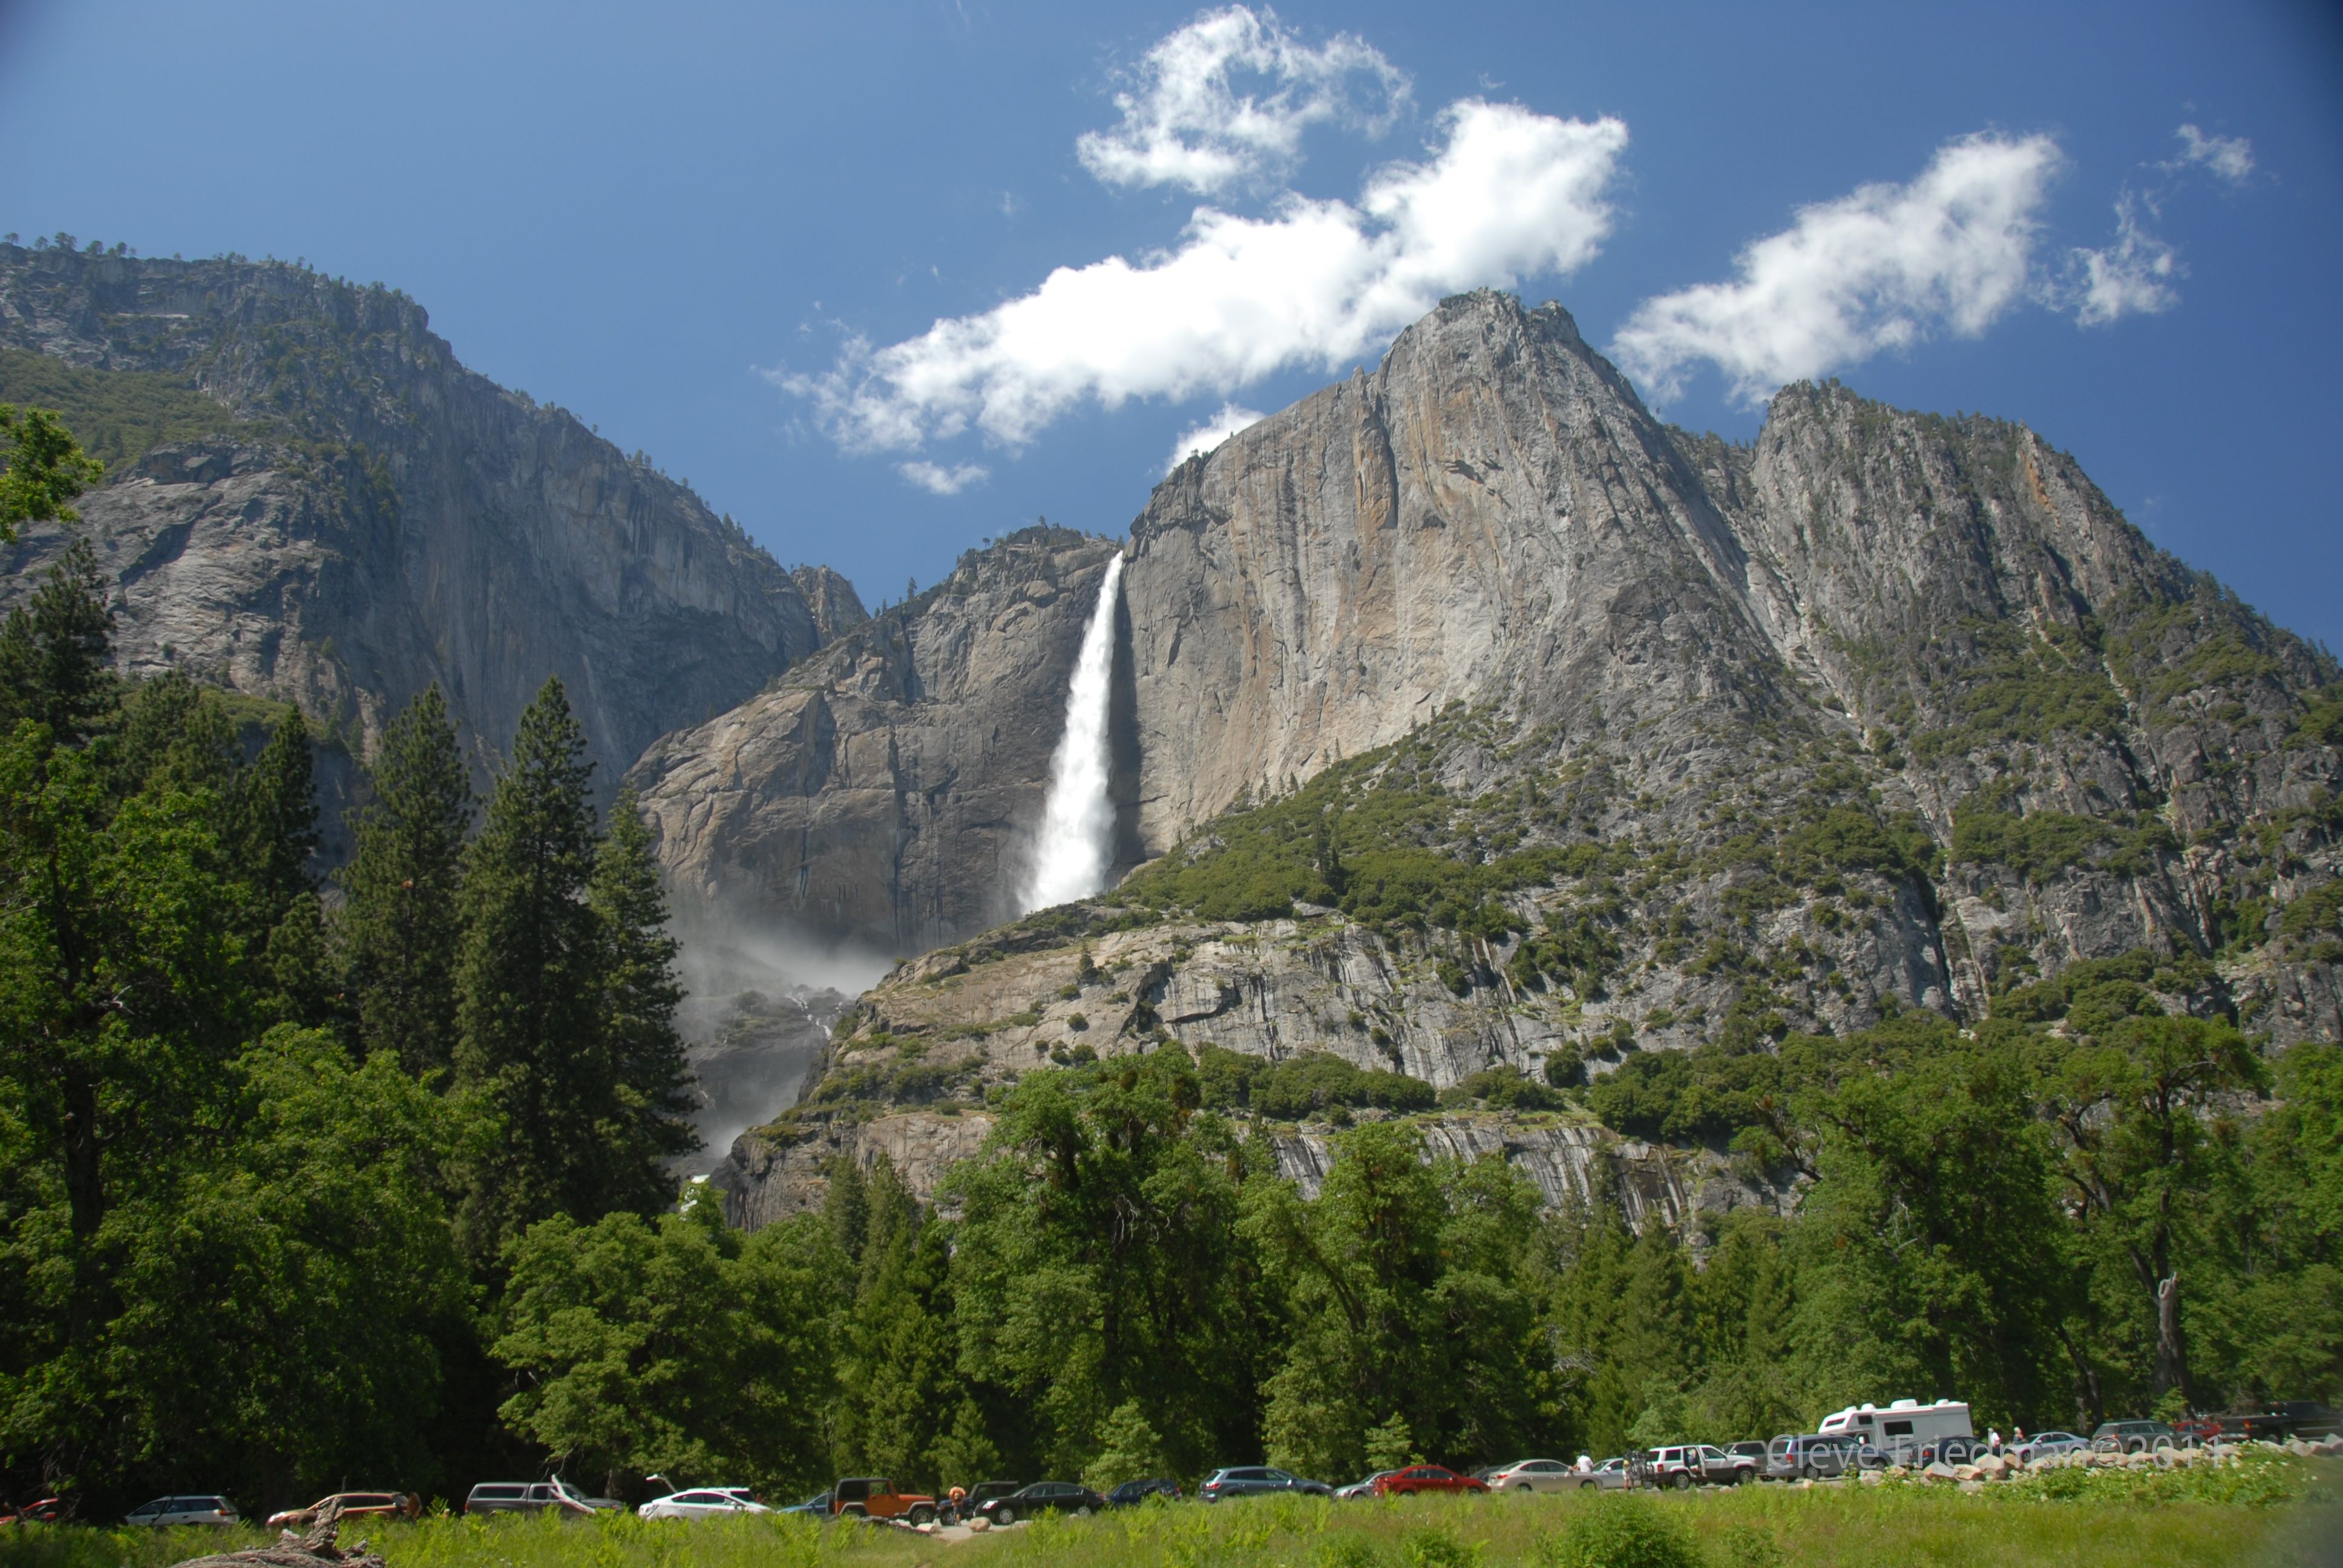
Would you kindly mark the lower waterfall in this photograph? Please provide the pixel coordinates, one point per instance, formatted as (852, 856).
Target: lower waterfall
(1077, 840)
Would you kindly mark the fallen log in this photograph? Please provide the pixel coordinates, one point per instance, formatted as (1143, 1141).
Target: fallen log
(313, 1548)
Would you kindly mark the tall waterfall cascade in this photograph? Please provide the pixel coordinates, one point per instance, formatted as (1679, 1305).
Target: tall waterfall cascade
(1077, 839)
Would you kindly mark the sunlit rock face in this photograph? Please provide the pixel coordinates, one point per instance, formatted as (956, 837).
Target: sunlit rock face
(372, 517)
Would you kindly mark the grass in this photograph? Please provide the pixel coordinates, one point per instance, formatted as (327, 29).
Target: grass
(1828, 1527)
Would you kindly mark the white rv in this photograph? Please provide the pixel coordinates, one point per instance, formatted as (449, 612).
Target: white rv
(1907, 1430)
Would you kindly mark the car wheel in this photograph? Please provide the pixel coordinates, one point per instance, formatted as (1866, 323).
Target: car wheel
(923, 1515)
(1083, 1511)
(1005, 1516)
(1681, 1481)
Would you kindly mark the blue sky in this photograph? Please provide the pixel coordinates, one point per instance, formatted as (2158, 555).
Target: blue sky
(724, 234)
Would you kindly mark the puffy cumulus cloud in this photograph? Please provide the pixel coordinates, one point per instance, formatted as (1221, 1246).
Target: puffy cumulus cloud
(1509, 194)
(2231, 158)
(937, 480)
(1225, 100)
(1881, 268)
(2132, 277)
(1209, 434)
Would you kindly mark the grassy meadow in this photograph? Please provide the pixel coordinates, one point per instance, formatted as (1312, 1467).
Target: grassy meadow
(2286, 1515)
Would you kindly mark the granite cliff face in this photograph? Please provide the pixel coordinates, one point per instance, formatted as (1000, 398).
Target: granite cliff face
(1882, 711)
(372, 517)
(881, 797)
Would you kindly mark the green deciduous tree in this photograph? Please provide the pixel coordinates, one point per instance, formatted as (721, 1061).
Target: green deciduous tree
(2139, 1150)
(44, 469)
(676, 1345)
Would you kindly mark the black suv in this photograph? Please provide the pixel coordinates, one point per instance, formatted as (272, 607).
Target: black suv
(1131, 1493)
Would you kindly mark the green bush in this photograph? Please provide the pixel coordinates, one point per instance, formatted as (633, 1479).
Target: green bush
(1436, 1546)
(1307, 1084)
(1621, 1531)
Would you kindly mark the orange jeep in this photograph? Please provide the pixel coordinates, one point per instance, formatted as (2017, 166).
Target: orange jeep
(875, 1497)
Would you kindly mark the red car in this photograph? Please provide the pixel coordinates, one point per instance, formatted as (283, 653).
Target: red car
(1425, 1478)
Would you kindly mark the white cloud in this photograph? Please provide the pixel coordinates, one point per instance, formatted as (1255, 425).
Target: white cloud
(2231, 158)
(1225, 99)
(1211, 433)
(2132, 277)
(937, 480)
(1510, 194)
(1883, 268)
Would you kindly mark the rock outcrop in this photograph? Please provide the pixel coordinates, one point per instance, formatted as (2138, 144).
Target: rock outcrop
(374, 518)
(882, 796)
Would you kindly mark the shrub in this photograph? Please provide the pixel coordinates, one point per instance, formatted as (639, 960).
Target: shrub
(1436, 1547)
(1620, 1532)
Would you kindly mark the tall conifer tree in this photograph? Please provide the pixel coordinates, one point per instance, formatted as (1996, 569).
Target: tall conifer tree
(530, 1051)
(402, 927)
(276, 822)
(56, 654)
(639, 996)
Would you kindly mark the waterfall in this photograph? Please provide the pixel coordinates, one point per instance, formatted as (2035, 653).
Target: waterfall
(1077, 842)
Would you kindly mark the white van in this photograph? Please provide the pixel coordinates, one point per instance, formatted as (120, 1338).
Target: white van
(1908, 1432)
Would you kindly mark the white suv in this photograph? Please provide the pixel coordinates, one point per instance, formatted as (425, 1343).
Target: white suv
(165, 1511)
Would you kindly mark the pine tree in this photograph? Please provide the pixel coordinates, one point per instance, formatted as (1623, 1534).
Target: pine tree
(530, 1051)
(402, 928)
(275, 830)
(55, 652)
(175, 736)
(639, 996)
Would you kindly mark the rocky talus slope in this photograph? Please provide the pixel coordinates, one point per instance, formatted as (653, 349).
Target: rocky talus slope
(343, 514)
(1478, 720)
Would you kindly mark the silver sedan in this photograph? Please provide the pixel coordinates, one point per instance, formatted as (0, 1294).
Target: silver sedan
(704, 1503)
(1533, 1476)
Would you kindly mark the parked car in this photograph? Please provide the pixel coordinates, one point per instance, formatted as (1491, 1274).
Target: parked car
(1132, 1493)
(531, 1497)
(875, 1497)
(1418, 1478)
(1697, 1463)
(1813, 1456)
(1043, 1497)
(1257, 1480)
(2133, 1436)
(1752, 1451)
(46, 1510)
(1533, 1475)
(817, 1506)
(1611, 1475)
(701, 1503)
(354, 1505)
(2045, 1445)
(166, 1511)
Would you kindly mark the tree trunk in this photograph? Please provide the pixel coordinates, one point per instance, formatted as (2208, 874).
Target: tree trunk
(2171, 1350)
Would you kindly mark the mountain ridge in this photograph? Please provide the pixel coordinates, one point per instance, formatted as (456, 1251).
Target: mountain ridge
(369, 517)
(1654, 740)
